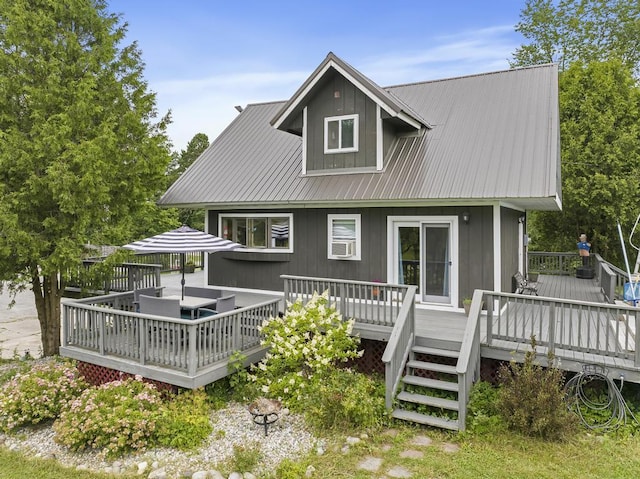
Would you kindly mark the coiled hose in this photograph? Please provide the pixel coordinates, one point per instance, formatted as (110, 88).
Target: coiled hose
(611, 410)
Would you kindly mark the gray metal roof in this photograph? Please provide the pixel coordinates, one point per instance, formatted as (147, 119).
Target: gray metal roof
(494, 136)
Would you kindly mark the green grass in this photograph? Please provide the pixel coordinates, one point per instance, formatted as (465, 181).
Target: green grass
(500, 455)
(16, 466)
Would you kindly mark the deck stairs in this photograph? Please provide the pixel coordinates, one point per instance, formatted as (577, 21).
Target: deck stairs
(429, 392)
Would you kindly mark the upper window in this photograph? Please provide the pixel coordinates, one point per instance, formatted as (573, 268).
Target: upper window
(259, 231)
(341, 134)
(344, 236)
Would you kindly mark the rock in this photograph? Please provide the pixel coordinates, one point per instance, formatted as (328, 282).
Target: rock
(142, 467)
(82, 467)
(421, 441)
(398, 471)
(155, 465)
(200, 475)
(450, 447)
(309, 472)
(370, 463)
(345, 449)
(352, 440)
(187, 474)
(235, 475)
(248, 475)
(412, 454)
(215, 475)
(158, 474)
(364, 436)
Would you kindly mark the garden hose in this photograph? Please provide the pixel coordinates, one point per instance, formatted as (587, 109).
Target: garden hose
(609, 411)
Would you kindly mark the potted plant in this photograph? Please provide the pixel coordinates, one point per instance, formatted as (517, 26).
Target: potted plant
(189, 267)
(466, 303)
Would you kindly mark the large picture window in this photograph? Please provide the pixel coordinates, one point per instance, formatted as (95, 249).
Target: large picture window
(341, 134)
(259, 231)
(344, 237)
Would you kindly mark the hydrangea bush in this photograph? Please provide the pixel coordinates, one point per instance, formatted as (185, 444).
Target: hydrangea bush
(39, 394)
(305, 344)
(117, 417)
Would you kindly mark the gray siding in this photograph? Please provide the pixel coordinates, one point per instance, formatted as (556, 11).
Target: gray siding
(509, 244)
(323, 105)
(263, 270)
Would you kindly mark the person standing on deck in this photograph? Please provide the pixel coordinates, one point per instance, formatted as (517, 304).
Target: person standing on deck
(584, 248)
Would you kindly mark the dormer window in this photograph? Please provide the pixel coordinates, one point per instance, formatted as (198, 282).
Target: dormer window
(341, 134)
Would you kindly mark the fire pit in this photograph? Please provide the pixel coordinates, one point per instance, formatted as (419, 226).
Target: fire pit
(265, 412)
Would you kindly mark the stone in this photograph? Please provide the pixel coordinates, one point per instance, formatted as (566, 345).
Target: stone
(310, 471)
(248, 475)
(158, 474)
(398, 471)
(235, 475)
(187, 474)
(155, 465)
(200, 475)
(82, 467)
(142, 467)
(421, 441)
(215, 475)
(353, 440)
(412, 454)
(370, 463)
(450, 447)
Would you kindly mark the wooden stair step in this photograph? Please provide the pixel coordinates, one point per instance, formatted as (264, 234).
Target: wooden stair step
(439, 368)
(447, 353)
(434, 421)
(431, 383)
(428, 400)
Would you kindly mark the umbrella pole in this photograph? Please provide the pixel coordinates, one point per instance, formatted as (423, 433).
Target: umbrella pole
(182, 268)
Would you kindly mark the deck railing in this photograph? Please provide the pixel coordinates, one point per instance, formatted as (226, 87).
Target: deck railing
(119, 278)
(400, 342)
(560, 324)
(544, 262)
(366, 302)
(107, 326)
(468, 365)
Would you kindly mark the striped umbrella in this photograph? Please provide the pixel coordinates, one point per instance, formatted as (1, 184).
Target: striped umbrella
(182, 240)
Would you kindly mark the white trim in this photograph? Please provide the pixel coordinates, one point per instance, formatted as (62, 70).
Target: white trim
(358, 241)
(420, 221)
(261, 215)
(497, 248)
(339, 119)
(379, 139)
(304, 141)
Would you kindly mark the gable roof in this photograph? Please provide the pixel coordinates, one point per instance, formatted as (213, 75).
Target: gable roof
(493, 136)
(394, 106)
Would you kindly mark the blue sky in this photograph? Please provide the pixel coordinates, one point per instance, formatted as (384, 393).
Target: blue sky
(204, 57)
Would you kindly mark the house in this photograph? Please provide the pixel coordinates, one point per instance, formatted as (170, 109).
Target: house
(427, 183)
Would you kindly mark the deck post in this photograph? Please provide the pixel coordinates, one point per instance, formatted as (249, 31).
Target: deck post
(101, 326)
(552, 328)
(192, 359)
(637, 340)
(143, 334)
(490, 301)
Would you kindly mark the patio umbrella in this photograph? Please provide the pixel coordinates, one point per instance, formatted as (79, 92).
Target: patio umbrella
(182, 240)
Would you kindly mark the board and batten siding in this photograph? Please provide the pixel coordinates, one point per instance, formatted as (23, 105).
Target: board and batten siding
(350, 100)
(509, 244)
(256, 270)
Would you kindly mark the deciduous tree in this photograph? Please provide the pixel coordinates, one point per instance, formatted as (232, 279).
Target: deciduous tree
(80, 151)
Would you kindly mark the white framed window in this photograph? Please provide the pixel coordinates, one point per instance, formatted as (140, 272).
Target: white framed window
(344, 237)
(267, 232)
(341, 134)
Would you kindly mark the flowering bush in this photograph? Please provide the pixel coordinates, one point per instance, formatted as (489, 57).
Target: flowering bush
(39, 394)
(118, 416)
(184, 421)
(305, 344)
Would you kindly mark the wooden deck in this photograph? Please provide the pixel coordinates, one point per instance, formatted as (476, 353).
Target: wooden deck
(587, 330)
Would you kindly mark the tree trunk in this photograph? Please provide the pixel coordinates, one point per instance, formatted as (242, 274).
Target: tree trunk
(48, 293)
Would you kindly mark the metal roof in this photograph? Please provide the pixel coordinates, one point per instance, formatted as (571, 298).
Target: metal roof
(493, 136)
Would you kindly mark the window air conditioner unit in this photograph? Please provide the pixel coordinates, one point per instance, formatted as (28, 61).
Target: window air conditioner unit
(343, 249)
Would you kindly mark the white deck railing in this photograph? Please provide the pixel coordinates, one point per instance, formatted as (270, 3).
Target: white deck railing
(604, 329)
(106, 326)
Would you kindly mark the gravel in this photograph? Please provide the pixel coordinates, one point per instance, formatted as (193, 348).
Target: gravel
(232, 426)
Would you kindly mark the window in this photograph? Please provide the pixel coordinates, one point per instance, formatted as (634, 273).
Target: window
(259, 231)
(341, 134)
(344, 237)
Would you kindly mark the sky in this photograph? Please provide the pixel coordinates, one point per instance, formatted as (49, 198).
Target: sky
(204, 57)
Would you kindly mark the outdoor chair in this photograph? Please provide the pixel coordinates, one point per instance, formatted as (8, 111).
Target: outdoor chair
(523, 286)
(160, 306)
(226, 304)
(144, 292)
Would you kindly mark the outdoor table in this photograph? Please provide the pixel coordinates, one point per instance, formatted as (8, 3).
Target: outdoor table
(193, 303)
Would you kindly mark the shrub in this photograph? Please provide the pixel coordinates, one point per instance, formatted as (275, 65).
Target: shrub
(531, 398)
(184, 421)
(304, 344)
(483, 415)
(39, 394)
(118, 416)
(345, 399)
